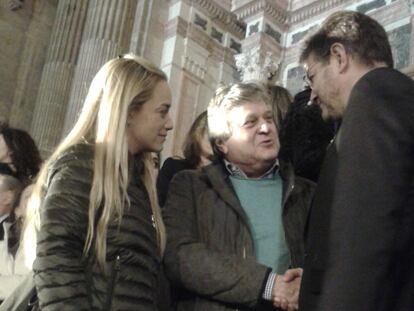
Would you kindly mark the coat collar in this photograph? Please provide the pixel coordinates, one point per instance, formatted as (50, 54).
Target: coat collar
(234, 170)
(219, 179)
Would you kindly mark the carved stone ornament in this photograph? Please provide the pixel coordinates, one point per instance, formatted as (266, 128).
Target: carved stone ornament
(253, 29)
(254, 67)
(215, 34)
(273, 33)
(235, 45)
(199, 21)
(196, 69)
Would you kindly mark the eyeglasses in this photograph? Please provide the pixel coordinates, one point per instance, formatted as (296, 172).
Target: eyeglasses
(308, 79)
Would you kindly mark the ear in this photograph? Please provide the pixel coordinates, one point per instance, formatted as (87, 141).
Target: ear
(340, 56)
(130, 116)
(221, 145)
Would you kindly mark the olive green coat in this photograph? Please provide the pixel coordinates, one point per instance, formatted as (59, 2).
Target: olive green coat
(210, 252)
(64, 279)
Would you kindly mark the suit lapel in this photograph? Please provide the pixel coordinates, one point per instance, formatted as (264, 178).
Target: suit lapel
(322, 200)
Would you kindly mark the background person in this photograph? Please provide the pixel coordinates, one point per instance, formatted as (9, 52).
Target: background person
(280, 98)
(197, 153)
(305, 136)
(12, 269)
(19, 151)
(19, 158)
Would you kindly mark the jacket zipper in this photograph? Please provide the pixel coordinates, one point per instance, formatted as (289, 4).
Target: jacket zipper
(111, 288)
(244, 257)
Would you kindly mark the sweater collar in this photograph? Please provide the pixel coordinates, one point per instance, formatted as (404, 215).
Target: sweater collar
(236, 171)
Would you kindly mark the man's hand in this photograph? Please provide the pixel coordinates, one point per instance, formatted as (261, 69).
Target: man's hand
(285, 293)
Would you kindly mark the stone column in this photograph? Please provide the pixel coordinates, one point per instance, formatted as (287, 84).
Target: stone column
(57, 74)
(107, 34)
(141, 27)
(31, 62)
(199, 43)
(266, 22)
(13, 29)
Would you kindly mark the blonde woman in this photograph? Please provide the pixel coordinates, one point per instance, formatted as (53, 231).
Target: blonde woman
(100, 236)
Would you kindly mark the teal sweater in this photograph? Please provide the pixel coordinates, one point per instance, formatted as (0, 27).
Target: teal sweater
(261, 199)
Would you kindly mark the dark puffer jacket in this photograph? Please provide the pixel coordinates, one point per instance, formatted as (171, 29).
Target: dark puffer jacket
(64, 279)
(210, 251)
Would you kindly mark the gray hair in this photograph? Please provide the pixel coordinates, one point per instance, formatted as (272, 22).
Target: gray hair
(361, 35)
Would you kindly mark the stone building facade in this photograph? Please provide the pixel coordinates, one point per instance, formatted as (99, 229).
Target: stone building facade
(50, 50)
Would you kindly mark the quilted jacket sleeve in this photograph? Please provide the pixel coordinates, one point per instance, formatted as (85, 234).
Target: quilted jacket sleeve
(59, 269)
(190, 262)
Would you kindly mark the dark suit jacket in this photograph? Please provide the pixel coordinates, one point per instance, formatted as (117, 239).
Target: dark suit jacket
(360, 235)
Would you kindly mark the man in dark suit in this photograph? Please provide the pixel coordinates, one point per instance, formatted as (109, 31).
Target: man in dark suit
(360, 234)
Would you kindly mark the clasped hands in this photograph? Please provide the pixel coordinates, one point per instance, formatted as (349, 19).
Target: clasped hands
(285, 292)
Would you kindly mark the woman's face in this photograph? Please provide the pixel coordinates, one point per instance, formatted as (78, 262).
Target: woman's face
(4, 151)
(147, 126)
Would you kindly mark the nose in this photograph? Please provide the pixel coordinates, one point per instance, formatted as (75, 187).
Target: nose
(169, 124)
(264, 126)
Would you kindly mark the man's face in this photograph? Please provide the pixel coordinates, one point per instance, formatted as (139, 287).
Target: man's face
(254, 143)
(323, 80)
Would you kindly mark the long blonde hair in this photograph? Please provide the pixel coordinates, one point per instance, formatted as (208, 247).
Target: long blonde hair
(121, 85)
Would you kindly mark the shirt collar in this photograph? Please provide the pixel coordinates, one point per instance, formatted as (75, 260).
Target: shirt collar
(236, 171)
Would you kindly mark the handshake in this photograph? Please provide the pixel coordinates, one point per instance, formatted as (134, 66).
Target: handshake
(285, 292)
